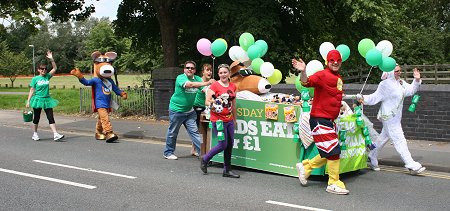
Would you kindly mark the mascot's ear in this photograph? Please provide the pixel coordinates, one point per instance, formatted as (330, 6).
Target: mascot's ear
(95, 55)
(111, 55)
(235, 67)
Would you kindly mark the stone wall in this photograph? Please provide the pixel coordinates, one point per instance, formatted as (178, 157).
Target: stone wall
(430, 121)
(164, 86)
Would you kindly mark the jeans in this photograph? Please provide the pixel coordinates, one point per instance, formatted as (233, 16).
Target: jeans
(176, 119)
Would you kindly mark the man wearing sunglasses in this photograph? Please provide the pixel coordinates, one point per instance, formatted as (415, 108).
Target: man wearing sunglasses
(181, 110)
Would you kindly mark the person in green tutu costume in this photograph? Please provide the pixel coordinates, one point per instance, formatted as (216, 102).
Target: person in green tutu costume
(39, 98)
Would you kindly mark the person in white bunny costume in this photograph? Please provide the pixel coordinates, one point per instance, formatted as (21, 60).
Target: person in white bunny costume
(391, 92)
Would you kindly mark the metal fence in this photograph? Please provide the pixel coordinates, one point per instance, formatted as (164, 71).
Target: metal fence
(140, 102)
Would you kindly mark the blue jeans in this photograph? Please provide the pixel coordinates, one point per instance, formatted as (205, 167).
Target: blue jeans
(176, 119)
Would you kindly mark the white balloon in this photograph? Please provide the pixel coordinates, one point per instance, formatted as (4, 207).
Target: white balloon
(385, 47)
(325, 48)
(241, 55)
(267, 69)
(232, 52)
(313, 66)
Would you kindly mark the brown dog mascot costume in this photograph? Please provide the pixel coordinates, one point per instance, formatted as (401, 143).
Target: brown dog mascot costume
(246, 79)
(102, 87)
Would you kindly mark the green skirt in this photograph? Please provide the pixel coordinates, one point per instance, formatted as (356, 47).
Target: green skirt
(43, 102)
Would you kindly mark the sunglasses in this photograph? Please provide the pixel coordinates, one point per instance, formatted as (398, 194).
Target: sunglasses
(189, 68)
(101, 60)
(42, 68)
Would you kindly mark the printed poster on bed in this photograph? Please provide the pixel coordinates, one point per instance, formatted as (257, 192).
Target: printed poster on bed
(261, 143)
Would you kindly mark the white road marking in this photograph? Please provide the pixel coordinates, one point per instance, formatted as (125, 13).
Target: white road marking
(295, 206)
(48, 179)
(85, 169)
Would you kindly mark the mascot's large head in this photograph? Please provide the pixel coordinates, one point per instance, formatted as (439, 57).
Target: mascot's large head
(246, 79)
(102, 64)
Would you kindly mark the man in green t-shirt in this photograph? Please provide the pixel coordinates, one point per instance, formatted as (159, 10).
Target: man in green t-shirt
(181, 110)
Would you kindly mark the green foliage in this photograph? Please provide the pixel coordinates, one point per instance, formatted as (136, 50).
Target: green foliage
(12, 64)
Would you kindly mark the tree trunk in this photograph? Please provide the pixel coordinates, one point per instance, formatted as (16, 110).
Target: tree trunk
(169, 40)
(168, 28)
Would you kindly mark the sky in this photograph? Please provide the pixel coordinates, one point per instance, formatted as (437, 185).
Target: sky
(104, 8)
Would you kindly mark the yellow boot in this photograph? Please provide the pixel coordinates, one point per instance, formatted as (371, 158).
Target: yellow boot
(305, 168)
(334, 184)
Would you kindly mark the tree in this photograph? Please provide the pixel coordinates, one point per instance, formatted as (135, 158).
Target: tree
(28, 11)
(11, 64)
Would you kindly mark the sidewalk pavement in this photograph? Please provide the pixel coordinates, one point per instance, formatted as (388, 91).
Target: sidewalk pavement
(435, 156)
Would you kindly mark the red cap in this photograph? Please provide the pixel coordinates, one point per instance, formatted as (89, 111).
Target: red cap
(334, 56)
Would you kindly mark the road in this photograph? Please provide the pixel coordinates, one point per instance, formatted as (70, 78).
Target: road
(84, 174)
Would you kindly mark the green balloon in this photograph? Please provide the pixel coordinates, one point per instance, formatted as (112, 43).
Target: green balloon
(344, 50)
(300, 87)
(311, 91)
(276, 77)
(364, 46)
(298, 84)
(374, 57)
(256, 65)
(387, 64)
(246, 40)
(263, 45)
(218, 47)
(254, 52)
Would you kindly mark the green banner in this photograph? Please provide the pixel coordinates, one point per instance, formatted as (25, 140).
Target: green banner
(268, 145)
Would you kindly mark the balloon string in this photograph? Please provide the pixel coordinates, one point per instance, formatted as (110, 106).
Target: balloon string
(366, 80)
(213, 67)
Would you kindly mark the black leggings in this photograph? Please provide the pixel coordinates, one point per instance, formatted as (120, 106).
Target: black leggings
(48, 112)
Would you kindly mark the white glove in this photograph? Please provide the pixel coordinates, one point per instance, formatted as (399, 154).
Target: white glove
(359, 98)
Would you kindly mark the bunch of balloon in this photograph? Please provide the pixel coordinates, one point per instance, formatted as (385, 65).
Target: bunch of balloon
(364, 129)
(378, 55)
(326, 47)
(250, 52)
(415, 100)
(214, 49)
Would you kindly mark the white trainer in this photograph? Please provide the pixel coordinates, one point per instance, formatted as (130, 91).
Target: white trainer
(418, 171)
(301, 173)
(58, 137)
(171, 157)
(35, 137)
(373, 167)
(333, 188)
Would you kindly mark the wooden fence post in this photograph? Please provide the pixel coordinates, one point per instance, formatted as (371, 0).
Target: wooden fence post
(435, 73)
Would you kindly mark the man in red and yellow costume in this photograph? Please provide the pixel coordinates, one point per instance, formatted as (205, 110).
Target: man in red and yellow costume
(325, 108)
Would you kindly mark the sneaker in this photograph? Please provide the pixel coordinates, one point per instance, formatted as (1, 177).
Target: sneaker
(333, 188)
(171, 157)
(35, 137)
(203, 166)
(58, 137)
(373, 167)
(301, 173)
(418, 171)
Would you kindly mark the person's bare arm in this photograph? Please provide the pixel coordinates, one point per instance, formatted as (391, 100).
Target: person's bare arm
(198, 84)
(50, 57)
(30, 94)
